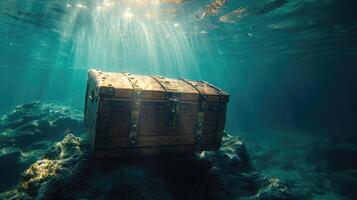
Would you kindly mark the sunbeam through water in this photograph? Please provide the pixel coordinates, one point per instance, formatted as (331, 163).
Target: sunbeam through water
(114, 35)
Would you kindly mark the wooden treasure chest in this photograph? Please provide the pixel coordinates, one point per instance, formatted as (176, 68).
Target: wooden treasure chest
(128, 114)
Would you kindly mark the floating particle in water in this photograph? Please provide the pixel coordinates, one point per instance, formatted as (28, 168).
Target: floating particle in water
(43, 43)
(108, 3)
(211, 9)
(282, 25)
(128, 14)
(9, 35)
(79, 5)
(235, 15)
(250, 34)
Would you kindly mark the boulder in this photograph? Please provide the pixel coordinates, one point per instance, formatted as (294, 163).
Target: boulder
(65, 169)
(27, 131)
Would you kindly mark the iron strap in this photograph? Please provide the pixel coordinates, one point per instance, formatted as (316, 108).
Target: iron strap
(219, 91)
(135, 109)
(173, 105)
(165, 85)
(220, 123)
(200, 113)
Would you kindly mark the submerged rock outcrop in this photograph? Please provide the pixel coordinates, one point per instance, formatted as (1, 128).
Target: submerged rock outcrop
(312, 167)
(28, 131)
(66, 170)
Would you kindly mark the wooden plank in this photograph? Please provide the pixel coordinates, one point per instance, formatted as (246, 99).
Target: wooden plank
(109, 117)
(143, 151)
(117, 142)
(151, 89)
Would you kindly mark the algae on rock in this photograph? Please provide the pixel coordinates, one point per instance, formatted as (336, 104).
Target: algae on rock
(27, 132)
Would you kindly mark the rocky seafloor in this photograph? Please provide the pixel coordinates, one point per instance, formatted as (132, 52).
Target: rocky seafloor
(314, 167)
(44, 154)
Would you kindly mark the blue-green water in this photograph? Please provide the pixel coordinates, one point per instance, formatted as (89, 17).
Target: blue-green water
(287, 64)
(290, 67)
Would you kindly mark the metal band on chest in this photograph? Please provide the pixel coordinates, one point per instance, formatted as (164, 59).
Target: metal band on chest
(200, 114)
(135, 109)
(165, 84)
(172, 96)
(219, 91)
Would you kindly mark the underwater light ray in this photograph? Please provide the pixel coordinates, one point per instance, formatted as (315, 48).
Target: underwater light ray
(151, 46)
(175, 46)
(167, 49)
(177, 54)
(190, 53)
(117, 38)
(71, 36)
(182, 56)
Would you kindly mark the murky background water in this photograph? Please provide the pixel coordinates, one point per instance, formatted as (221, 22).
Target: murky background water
(287, 64)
